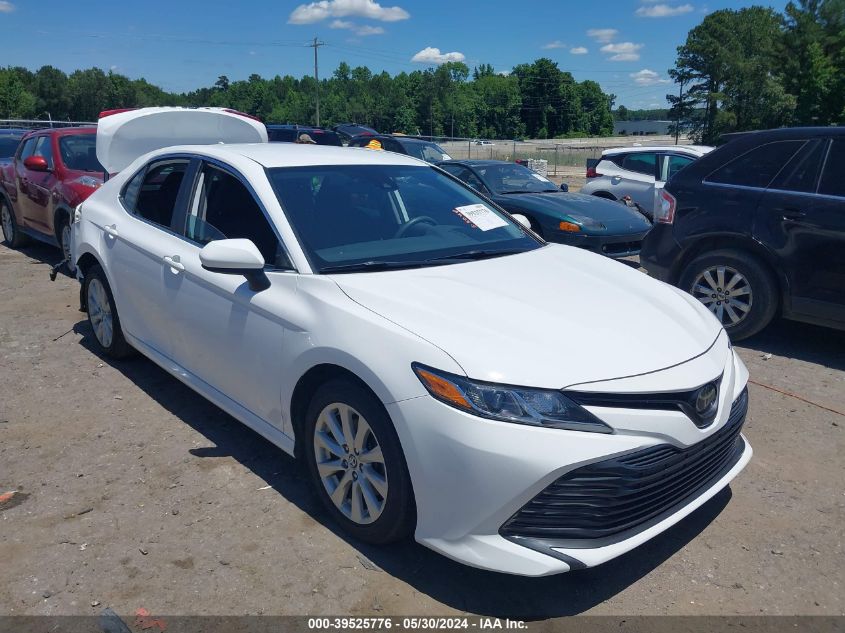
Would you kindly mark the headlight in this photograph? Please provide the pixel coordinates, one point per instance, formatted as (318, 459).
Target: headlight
(89, 181)
(584, 221)
(522, 405)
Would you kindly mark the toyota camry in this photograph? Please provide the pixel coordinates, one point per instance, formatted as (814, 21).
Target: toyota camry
(440, 369)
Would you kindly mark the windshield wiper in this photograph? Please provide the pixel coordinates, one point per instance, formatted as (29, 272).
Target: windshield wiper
(477, 254)
(371, 266)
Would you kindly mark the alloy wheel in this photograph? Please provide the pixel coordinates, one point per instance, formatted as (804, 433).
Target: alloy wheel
(726, 293)
(99, 312)
(350, 463)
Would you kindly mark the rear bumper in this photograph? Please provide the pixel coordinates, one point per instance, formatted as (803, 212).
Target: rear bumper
(660, 253)
(615, 246)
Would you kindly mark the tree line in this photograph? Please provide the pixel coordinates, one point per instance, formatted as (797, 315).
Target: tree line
(755, 68)
(537, 100)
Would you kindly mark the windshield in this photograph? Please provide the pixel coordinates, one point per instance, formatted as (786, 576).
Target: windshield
(8, 145)
(430, 152)
(513, 178)
(351, 217)
(79, 152)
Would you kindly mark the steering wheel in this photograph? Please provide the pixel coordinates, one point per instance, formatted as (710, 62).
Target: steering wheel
(407, 226)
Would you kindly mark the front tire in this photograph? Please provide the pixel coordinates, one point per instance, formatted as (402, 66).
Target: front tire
(102, 314)
(736, 287)
(356, 464)
(14, 238)
(64, 237)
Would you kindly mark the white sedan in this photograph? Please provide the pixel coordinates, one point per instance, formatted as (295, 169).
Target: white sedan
(517, 406)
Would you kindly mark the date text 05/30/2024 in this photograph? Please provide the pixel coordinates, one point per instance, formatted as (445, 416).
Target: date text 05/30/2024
(411, 623)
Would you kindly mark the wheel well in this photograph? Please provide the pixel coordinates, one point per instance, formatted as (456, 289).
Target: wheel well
(304, 391)
(605, 194)
(746, 246)
(57, 217)
(84, 265)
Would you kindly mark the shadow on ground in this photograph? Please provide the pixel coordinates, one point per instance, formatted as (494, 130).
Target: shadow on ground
(43, 253)
(458, 586)
(802, 341)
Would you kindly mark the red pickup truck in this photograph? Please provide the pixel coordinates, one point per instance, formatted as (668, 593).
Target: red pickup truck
(51, 172)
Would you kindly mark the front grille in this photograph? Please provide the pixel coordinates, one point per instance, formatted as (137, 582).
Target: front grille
(622, 248)
(603, 499)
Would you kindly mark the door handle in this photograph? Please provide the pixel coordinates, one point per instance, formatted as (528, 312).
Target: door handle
(111, 230)
(792, 214)
(174, 263)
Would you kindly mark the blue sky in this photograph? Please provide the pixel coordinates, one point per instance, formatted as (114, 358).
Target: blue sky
(625, 45)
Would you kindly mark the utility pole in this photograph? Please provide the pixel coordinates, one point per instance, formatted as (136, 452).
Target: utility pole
(315, 45)
(680, 109)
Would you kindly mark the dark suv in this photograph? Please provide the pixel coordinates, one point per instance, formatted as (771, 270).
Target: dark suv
(757, 228)
(290, 134)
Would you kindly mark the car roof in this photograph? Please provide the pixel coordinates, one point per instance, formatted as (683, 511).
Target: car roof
(787, 133)
(63, 131)
(13, 132)
(472, 162)
(401, 138)
(697, 150)
(271, 155)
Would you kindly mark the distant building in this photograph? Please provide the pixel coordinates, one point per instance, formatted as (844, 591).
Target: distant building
(640, 128)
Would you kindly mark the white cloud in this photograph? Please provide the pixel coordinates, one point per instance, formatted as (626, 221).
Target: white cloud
(555, 44)
(370, 9)
(6, 6)
(602, 35)
(663, 10)
(646, 77)
(358, 29)
(578, 50)
(431, 55)
(622, 51)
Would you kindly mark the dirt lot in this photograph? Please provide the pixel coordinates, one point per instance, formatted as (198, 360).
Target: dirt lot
(135, 492)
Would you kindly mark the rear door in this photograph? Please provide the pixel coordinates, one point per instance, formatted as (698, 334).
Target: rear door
(140, 246)
(632, 174)
(802, 216)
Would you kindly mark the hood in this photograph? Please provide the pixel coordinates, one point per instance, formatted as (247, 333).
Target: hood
(552, 317)
(124, 136)
(615, 216)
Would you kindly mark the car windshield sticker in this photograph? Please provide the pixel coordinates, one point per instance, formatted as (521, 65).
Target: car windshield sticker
(541, 178)
(446, 156)
(480, 216)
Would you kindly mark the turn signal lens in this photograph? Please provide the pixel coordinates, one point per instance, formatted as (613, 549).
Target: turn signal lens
(443, 389)
(570, 227)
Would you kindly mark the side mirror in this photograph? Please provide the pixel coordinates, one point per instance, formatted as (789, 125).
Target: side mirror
(236, 257)
(36, 163)
(522, 220)
(564, 186)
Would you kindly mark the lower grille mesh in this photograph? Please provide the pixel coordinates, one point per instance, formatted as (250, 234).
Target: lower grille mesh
(605, 498)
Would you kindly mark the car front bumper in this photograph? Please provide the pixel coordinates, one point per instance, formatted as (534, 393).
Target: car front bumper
(471, 475)
(616, 246)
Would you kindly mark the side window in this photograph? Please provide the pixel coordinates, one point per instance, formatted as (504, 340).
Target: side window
(44, 147)
(156, 192)
(27, 148)
(802, 172)
(757, 167)
(223, 208)
(640, 162)
(833, 182)
(131, 191)
(672, 164)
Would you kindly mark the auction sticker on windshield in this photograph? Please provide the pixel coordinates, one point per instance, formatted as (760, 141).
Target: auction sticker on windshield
(480, 216)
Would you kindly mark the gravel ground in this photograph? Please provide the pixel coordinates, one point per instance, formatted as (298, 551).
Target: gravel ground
(135, 492)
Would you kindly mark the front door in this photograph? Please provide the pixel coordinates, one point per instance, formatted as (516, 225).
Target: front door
(227, 335)
(39, 205)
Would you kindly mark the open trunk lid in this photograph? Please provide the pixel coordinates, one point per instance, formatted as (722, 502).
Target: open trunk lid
(123, 136)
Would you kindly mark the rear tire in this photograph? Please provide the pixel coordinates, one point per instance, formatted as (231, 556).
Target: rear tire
(14, 238)
(102, 314)
(356, 464)
(736, 287)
